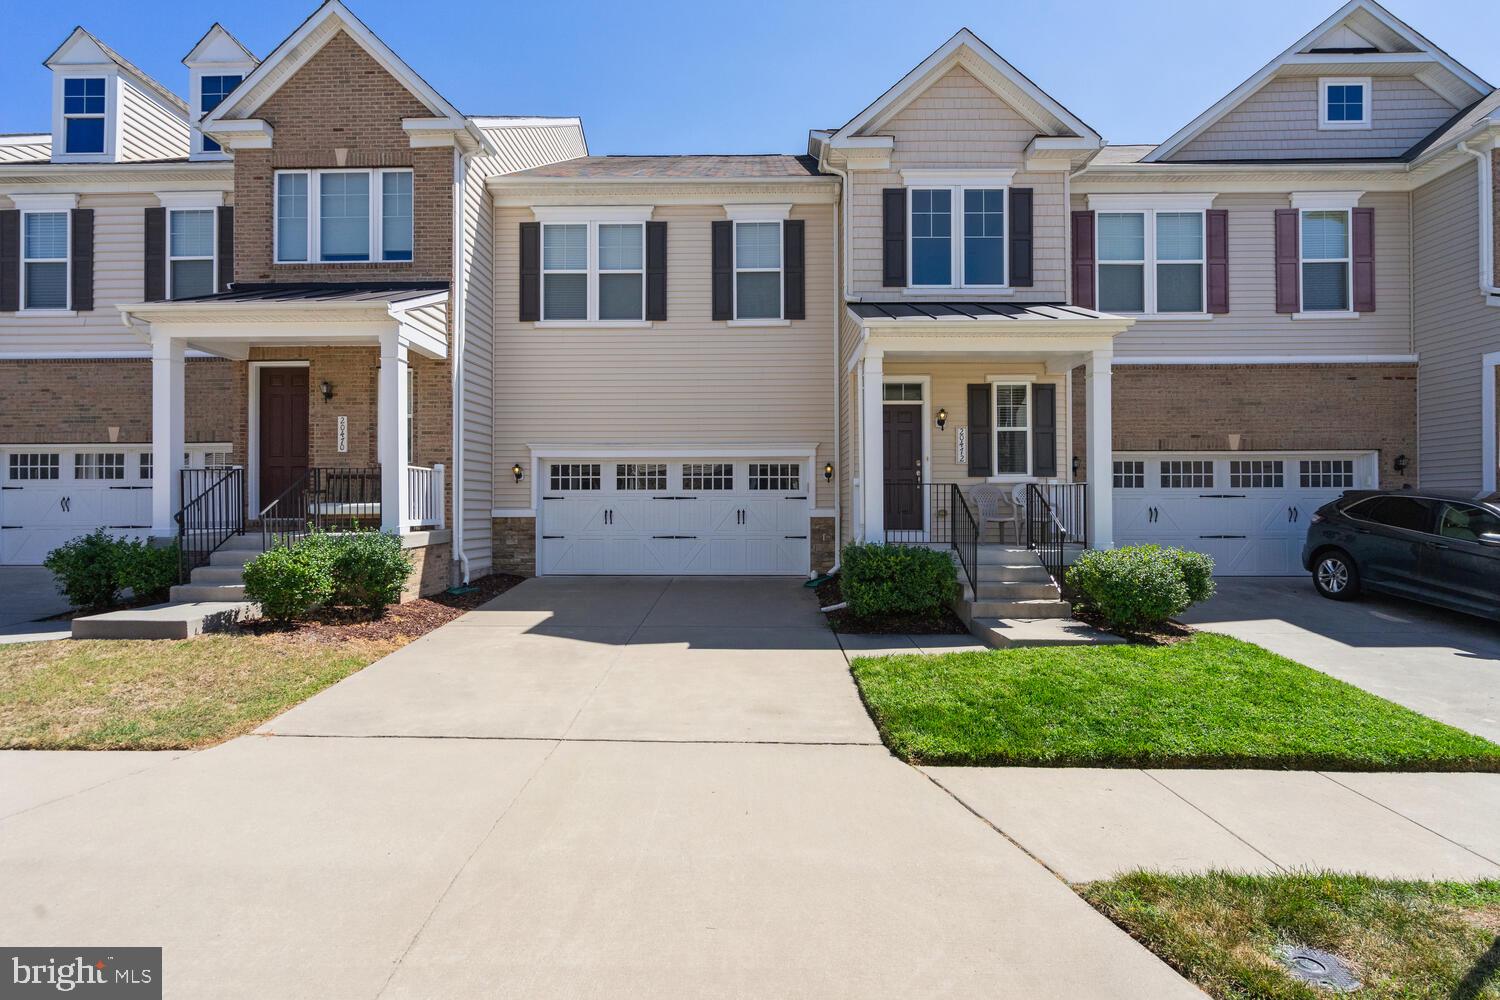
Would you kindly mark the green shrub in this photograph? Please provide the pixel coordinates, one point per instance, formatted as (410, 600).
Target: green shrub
(87, 570)
(369, 570)
(1140, 586)
(897, 580)
(289, 581)
(147, 571)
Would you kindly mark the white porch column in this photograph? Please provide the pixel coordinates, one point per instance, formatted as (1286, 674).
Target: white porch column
(872, 451)
(168, 434)
(1097, 374)
(391, 428)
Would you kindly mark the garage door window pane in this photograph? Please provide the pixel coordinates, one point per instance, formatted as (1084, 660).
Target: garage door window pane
(640, 477)
(99, 465)
(1130, 475)
(776, 476)
(1327, 474)
(574, 477)
(41, 465)
(1187, 475)
(1257, 475)
(698, 476)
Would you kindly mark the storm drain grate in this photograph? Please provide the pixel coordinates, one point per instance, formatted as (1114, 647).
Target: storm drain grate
(1319, 968)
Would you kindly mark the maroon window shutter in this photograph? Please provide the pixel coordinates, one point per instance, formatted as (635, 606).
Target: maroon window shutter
(10, 260)
(1288, 287)
(1217, 223)
(1364, 260)
(531, 272)
(1083, 259)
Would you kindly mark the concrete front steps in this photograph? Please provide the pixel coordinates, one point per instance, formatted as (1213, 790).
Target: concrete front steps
(1017, 604)
(213, 598)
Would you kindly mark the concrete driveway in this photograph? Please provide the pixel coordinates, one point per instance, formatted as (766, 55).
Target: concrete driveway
(28, 593)
(1440, 663)
(602, 788)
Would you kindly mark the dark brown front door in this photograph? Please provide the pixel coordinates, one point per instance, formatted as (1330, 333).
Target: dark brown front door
(903, 461)
(283, 429)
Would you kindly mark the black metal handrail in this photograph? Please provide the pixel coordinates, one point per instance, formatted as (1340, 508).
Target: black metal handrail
(921, 512)
(1069, 503)
(1056, 516)
(322, 499)
(964, 534)
(213, 511)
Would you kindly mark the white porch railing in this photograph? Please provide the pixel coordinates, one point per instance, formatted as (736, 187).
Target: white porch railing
(424, 497)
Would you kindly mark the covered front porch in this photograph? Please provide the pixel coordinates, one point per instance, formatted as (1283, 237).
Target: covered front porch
(971, 428)
(331, 377)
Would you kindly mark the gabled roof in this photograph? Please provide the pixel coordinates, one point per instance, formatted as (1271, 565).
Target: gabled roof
(218, 42)
(1360, 34)
(985, 64)
(304, 43)
(78, 43)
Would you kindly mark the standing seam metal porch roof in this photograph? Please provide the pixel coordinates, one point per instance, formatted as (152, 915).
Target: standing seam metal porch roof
(962, 311)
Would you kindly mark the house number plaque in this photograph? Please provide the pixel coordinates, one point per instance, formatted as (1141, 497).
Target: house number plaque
(343, 434)
(961, 449)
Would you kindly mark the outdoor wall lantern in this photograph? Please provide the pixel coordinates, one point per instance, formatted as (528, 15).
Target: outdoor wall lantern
(516, 470)
(1401, 463)
(828, 472)
(1076, 463)
(327, 388)
(942, 419)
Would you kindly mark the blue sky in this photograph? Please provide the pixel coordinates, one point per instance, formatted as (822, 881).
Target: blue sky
(678, 77)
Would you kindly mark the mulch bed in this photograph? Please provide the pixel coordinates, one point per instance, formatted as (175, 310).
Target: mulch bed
(944, 623)
(402, 621)
(1163, 635)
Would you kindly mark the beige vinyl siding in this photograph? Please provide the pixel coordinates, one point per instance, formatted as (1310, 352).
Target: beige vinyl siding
(22, 149)
(686, 381)
(1280, 121)
(431, 320)
(959, 122)
(1252, 325)
(149, 131)
(950, 382)
(1454, 329)
(119, 276)
(524, 146)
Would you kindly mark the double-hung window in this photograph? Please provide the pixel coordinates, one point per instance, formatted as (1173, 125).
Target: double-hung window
(44, 259)
(1151, 261)
(1344, 102)
(1325, 260)
(1012, 428)
(593, 270)
(757, 270)
(83, 114)
(212, 91)
(957, 233)
(343, 216)
(190, 252)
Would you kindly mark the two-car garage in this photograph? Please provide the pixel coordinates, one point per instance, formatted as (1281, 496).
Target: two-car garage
(1249, 511)
(710, 516)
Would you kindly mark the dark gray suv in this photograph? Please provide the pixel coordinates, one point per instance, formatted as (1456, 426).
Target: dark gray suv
(1439, 548)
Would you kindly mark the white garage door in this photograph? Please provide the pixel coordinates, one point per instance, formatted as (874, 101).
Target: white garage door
(1250, 512)
(51, 497)
(726, 517)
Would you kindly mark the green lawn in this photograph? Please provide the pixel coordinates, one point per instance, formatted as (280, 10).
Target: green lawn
(159, 695)
(1209, 701)
(1404, 940)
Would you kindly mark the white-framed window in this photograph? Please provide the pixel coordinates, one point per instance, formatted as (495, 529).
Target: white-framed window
(641, 476)
(211, 93)
(1130, 474)
(145, 466)
(1012, 437)
(1189, 474)
(707, 476)
(84, 101)
(757, 270)
(191, 240)
(1325, 267)
(34, 465)
(1326, 473)
(594, 271)
(1151, 261)
(1257, 474)
(1344, 102)
(957, 236)
(780, 476)
(902, 392)
(343, 216)
(570, 476)
(45, 260)
(99, 465)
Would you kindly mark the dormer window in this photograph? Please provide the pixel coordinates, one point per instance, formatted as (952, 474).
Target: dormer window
(83, 114)
(213, 91)
(1344, 103)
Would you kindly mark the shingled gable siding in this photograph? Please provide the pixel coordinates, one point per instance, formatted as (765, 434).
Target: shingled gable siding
(959, 122)
(343, 99)
(1281, 120)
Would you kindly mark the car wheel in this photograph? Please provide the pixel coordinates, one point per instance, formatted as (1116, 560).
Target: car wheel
(1335, 576)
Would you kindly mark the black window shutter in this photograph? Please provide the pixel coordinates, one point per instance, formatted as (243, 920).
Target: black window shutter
(226, 247)
(1044, 430)
(656, 270)
(156, 254)
(793, 269)
(723, 269)
(81, 250)
(10, 260)
(980, 422)
(893, 238)
(1020, 238)
(531, 272)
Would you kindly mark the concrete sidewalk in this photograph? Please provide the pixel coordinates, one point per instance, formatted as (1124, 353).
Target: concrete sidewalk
(1092, 823)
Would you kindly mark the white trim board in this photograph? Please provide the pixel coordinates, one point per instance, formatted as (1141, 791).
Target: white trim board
(1271, 359)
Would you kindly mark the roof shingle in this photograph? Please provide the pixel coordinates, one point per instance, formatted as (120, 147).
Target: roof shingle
(756, 166)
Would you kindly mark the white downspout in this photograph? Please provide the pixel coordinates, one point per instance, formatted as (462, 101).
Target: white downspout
(841, 251)
(460, 291)
(1486, 218)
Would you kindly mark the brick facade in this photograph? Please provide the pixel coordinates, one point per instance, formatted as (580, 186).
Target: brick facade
(342, 109)
(77, 402)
